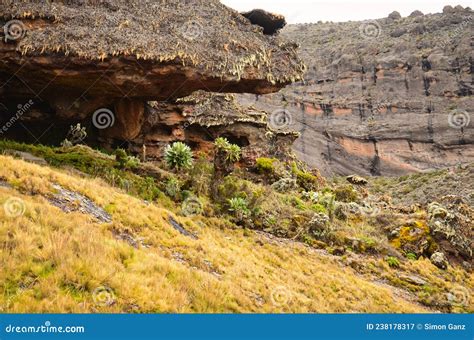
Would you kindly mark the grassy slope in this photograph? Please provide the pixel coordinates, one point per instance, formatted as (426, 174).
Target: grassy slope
(53, 262)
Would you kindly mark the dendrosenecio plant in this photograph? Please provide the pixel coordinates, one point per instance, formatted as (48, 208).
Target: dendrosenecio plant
(178, 156)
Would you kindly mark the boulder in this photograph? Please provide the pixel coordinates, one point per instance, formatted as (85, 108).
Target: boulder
(451, 226)
(270, 22)
(415, 14)
(357, 180)
(448, 9)
(413, 279)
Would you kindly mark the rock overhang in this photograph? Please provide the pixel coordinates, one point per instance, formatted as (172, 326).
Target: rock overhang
(118, 49)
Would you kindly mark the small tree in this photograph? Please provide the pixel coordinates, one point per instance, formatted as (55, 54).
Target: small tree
(238, 206)
(178, 156)
(226, 155)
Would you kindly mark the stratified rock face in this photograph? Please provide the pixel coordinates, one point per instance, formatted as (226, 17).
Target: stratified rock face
(198, 120)
(382, 97)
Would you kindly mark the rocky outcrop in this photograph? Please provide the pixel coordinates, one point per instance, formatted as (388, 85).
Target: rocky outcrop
(382, 97)
(270, 22)
(73, 58)
(451, 226)
(198, 120)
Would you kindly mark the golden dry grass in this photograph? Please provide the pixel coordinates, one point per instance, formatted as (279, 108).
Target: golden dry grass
(57, 262)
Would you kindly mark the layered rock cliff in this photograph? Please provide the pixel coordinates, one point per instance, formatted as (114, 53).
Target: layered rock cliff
(382, 97)
(198, 120)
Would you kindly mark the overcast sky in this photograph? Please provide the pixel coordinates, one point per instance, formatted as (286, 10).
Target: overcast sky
(301, 11)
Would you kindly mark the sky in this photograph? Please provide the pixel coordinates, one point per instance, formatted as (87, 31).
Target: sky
(305, 11)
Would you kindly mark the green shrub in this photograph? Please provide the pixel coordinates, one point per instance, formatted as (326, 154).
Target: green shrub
(307, 180)
(232, 151)
(319, 208)
(392, 262)
(411, 256)
(346, 193)
(173, 188)
(297, 203)
(125, 161)
(200, 176)
(178, 156)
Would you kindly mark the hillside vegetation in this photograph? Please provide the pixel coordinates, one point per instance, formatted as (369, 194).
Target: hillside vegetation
(84, 231)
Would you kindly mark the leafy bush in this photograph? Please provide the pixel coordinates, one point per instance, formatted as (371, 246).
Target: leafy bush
(238, 206)
(173, 188)
(318, 208)
(265, 165)
(125, 161)
(192, 206)
(311, 196)
(319, 226)
(200, 176)
(285, 185)
(411, 256)
(178, 156)
(307, 180)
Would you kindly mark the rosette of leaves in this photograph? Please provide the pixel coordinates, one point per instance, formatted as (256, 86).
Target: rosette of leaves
(239, 208)
(226, 155)
(178, 156)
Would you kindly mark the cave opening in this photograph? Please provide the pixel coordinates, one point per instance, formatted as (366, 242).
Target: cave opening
(241, 141)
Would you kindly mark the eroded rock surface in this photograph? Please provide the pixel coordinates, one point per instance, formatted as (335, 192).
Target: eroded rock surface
(198, 120)
(72, 58)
